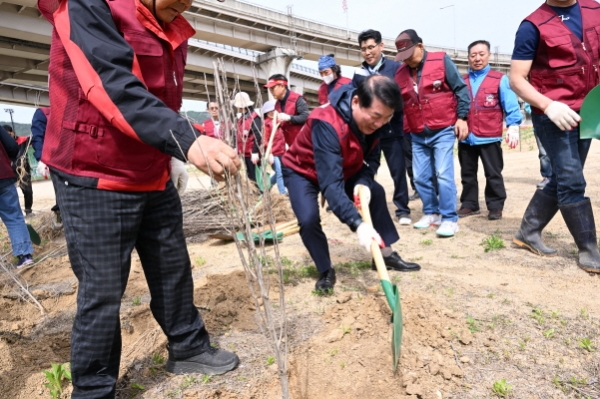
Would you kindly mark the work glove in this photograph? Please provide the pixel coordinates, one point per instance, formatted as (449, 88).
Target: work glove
(366, 235)
(42, 169)
(367, 196)
(562, 116)
(270, 159)
(512, 136)
(254, 158)
(179, 175)
(283, 117)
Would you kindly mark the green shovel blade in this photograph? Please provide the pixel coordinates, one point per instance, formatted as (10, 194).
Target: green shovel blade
(33, 235)
(589, 128)
(393, 298)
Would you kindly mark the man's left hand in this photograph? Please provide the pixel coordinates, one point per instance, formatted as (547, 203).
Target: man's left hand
(512, 136)
(461, 130)
(179, 175)
(254, 158)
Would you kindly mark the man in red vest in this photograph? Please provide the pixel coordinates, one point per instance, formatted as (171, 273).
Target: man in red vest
(292, 109)
(336, 152)
(332, 77)
(491, 99)
(554, 65)
(116, 85)
(212, 126)
(436, 105)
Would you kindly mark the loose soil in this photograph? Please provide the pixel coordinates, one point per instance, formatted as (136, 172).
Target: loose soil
(477, 323)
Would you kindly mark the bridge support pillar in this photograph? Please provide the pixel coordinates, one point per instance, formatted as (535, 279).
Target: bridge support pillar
(277, 60)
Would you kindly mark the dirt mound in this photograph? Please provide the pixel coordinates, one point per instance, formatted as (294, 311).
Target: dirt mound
(226, 303)
(352, 357)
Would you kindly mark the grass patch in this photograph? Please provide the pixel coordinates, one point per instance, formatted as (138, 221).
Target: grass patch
(493, 243)
(501, 388)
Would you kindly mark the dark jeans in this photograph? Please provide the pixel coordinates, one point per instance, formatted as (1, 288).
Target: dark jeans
(394, 157)
(567, 154)
(102, 228)
(27, 189)
(407, 151)
(304, 196)
(545, 168)
(491, 158)
(250, 168)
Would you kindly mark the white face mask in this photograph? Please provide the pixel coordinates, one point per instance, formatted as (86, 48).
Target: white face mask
(328, 79)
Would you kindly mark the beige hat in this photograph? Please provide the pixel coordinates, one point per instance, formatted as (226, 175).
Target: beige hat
(242, 100)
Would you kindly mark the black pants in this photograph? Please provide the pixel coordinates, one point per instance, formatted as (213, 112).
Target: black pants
(304, 196)
(102, 228)
(27, 189)
(491, 158)
(407, 150)
(394, 157)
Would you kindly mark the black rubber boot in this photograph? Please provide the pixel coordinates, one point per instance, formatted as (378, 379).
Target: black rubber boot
(579, 218)
(539, 213)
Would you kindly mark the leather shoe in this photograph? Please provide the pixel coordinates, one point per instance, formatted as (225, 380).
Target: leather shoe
(464, 212)
(395, 262)
(495, 214)
(326, 281)
(414, 197)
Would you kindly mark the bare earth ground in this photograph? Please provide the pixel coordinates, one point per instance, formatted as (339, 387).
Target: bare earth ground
(472, 318)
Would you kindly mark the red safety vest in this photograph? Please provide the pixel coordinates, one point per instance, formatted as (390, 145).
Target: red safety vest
(278, 148)
(209, 129)
(435, 104)
(290, 130)
(6, 170)
(485, 114)
(564, 68)
(301, 158)
(81, 142)
(324, 88)
(245, 137)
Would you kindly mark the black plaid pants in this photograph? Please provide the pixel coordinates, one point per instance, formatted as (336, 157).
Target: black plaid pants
(102, 228)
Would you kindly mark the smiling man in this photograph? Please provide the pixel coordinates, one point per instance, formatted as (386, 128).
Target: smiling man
(336, 152)
(116, 83)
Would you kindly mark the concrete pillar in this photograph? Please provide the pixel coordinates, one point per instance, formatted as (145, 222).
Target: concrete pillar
(277, 60)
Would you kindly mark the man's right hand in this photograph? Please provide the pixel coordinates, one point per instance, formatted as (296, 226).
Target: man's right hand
(42, 169)
(366, 235)
(562, 116)
(213, 157)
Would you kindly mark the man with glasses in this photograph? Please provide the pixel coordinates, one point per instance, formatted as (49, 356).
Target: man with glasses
(212, 126)
(292, 109)
(375, 63)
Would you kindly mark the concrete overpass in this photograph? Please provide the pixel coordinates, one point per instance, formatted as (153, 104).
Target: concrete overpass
(242, 34)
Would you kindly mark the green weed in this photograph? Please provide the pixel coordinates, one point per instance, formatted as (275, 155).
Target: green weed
(55, 377)
(473, 325)
(428, 241)
(549, 333)
(200, 261)
(137, 386)
(493, 243)
(586, 343)
(137, 301)
(501, 388)
(206, 378)
(157, 358)
(270, 360)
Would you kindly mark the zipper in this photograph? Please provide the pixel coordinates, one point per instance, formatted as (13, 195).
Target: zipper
(583, 45)
(175, 78)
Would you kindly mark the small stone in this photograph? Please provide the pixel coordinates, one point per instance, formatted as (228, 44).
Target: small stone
(434, 368)
(345, 297)
(347, 321)
(457, 371)
(414, 389)
(373, 289)
(335, 335)
(446, 373)
(465, 359)
(466, 337)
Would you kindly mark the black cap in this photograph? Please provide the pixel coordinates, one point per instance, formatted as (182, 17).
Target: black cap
(405, 44)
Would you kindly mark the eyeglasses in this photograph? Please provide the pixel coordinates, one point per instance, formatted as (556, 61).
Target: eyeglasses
(213, 108)
(369, 48)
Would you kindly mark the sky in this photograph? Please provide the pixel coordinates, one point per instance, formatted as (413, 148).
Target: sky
(492, 20)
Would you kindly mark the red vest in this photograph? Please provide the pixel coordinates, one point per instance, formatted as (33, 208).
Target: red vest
(564, 69)
(301, 158)
(81, 142)
(485, 114)
(278, 148)
(290, 130)
(435, 104)
(6, 170)
(324, 88)
(245, 137)
(209, 129)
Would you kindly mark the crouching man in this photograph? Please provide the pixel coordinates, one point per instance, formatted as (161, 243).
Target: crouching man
(336, 152)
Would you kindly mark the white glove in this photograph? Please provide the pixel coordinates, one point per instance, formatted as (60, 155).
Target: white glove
(562, 116)
(283, 117)
(367, 196)
(270, 159)
(42, 169)
(179, 175)
(512, 136)
(366, 235)
(254, 158)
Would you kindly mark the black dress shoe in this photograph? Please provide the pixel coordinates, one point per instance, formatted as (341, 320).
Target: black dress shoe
(495, 214)
(326, 281)
(395, 262)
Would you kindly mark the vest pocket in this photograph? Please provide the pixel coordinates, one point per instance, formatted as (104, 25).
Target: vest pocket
(490, 99)
(150, 55)
(561, 52)
(567, 86)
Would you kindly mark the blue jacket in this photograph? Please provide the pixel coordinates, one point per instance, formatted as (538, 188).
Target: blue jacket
(38, 131)
(12, 150)
(387, 68)
(508, 100)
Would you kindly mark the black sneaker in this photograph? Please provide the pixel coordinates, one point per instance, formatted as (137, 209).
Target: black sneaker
(395, 262)
(414, 197)
(24, 260)
(211, 361)
(326, 281)
(57, 222)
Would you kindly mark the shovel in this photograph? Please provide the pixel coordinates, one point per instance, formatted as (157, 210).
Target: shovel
(589, 128)
(260, 171)
(391, 290)
(33, 235)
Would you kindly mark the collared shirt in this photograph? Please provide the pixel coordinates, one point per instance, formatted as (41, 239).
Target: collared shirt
(508, 101)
